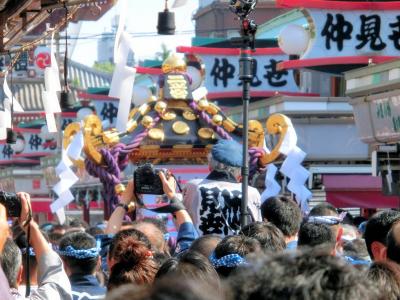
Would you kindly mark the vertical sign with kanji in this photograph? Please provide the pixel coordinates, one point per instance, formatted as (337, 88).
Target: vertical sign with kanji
(107, 111)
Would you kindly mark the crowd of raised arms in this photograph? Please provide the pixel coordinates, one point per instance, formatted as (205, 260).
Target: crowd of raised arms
(283, 252)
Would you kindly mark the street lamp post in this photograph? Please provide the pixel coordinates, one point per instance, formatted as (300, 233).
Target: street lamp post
(242, 8)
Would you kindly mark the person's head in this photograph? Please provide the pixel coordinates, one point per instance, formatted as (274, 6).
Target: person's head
(313, 234)
(231, 252)
(226, 156)
(154, 234)
(168, 288)
(95, 230)
(393, 243)
(11, 263)
(120, 236)
(356, 249)
(386, 276)
(311, 275)
(189, 265)
(284, 213)
(80, 253)
(269, 236)
(329, 212)
(56, 233)
(205, 244)
(78, 225)
(376, 231)
(323, 209)
(133, 263)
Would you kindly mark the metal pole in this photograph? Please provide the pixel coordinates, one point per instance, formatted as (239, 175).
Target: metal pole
(246, 76)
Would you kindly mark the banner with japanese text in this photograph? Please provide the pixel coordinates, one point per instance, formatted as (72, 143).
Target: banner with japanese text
(222, 74)
(354, 33)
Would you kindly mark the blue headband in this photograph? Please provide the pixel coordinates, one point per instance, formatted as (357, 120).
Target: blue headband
(80, 254)
(31, 252)
(230, 260)
(327, 220)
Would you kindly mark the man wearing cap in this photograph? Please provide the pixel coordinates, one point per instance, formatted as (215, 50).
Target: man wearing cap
(214, 202)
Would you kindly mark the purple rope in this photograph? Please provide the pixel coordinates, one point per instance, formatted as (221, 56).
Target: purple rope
(140, 137)
(254, 153)
(218, 129)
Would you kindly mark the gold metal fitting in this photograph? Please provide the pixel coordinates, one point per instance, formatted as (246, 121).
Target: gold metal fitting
(203, 104)
(173, 63)
(131, 126)
(217, 120)
(111, 137)
(119, 188)
(212, 109)
(229, 125)
(147, 121)
(160, 106)
(131, 207)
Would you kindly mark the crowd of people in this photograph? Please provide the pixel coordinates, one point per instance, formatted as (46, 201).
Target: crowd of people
(281, 254)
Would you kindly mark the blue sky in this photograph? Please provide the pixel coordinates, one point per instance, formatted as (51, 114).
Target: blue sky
(142, 19)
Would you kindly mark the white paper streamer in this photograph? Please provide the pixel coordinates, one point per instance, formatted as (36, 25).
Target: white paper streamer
(7, 92)
(75, 148)
(199, 93)
(51, 123)
(272, 188)
(67, 178)
(122, 81)
(291, 168)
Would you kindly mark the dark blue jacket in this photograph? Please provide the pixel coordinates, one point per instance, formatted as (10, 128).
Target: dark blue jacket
(86, 287)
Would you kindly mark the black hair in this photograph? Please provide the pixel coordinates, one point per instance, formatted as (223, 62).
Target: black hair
(168, 288)
(77, 223)
(284, 213)
(95, 230)
(309, 274)
(323, 209)
(11, 261)
(386, 275)
(79, 241)
(378, 227)
(393, 243)
(355, 249)
(311, 234)
(189, 265)
(206, 244)
(269, 236)
(138, 235)
(160, 224)
(235, 244)
(154, 234)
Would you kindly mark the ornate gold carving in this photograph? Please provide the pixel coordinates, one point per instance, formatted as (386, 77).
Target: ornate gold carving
(217, 120)
(256, 134)
(156, 134)
(203, 104)
(92, 130)
(189, 115)
(173, 63)
(206, 133)
(276, 124)
(147, 121)
(168, 116)
(180, 127)
(160, 106)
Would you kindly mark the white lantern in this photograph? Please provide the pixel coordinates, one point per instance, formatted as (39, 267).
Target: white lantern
(19, 145)
(141, 94)
(197, 79)
(82, 113)
(293, 39)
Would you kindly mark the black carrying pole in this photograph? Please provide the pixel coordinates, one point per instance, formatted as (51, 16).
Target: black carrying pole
(248, 31)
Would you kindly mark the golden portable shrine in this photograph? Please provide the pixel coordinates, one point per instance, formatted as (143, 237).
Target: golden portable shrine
(174, 127)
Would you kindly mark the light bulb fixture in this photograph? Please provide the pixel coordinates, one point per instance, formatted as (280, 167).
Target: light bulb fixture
(166, 21)
(66, 99)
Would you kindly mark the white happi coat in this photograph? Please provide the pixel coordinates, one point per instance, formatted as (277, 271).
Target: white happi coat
(202, 197)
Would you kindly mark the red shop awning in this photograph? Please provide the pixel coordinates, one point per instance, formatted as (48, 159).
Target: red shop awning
(362, 191)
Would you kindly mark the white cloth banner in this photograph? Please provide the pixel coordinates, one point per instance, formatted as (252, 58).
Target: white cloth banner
(7, 92)
(272, 187)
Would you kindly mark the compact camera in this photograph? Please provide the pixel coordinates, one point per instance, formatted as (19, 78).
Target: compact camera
(12, 203)
(147, 181)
